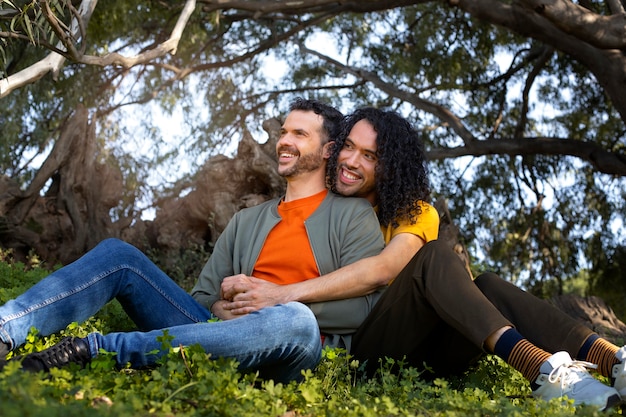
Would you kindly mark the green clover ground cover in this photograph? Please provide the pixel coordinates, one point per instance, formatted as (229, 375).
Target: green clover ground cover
(189, 383)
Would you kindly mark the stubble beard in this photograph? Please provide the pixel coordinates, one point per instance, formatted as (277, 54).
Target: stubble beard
(306, 163)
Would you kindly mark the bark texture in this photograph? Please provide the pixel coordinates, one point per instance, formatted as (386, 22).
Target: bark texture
(65, 209)
(593, 312)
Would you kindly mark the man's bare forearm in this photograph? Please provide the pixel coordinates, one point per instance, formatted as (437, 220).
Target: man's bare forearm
(360, 278)
(244, 294)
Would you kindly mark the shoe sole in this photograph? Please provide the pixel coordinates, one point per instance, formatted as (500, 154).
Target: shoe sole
(612, 401)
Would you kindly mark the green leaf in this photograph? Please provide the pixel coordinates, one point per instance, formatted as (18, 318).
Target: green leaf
(29, 29)
(58, 6)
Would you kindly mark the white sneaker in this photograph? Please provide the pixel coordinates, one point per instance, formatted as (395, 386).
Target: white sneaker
(560, 376)
(618, 373)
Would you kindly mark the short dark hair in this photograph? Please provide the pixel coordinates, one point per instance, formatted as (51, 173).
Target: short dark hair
(332, 117)
(401, 172)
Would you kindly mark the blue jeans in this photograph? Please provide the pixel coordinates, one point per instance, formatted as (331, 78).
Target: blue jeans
(278, 341)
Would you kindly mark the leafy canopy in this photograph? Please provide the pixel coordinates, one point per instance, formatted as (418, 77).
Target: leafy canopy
(527, 110)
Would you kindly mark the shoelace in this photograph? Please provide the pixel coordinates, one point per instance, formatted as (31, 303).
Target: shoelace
(568, 370)
(61, 354)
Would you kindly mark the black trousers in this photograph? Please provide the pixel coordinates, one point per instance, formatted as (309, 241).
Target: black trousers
(435, 314)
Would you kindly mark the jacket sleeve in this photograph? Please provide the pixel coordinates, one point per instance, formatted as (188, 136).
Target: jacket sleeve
(343, 317)
(220, 265)
(359, 237)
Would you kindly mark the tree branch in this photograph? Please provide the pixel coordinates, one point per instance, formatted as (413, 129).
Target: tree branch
(299, 7)
(607, 65)
(530, 80)
(604, 32)
(168, 47)
(65, 37)
(263, 46)
(441, 112)
(53, 62)
(601, 159)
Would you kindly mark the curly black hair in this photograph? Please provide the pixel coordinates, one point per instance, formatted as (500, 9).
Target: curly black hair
(401, 172)
(332, 118)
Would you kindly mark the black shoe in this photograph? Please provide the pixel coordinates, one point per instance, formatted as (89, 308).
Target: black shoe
(68, 350)
(4, 350)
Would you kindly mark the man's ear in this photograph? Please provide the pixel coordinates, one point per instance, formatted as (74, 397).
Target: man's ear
(328, 149)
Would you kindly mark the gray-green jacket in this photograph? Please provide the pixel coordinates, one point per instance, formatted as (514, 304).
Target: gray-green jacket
(341, 231)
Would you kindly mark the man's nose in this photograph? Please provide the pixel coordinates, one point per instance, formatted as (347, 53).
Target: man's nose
(285, 139)
(352, 160)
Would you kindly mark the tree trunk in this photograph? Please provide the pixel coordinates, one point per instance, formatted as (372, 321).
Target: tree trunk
(65, 210)
(594, 313)
(222, 187)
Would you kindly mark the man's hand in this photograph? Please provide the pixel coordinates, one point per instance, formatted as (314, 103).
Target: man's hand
(219, 309)
(246, 294)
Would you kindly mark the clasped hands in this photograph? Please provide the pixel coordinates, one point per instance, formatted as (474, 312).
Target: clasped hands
(241, 294)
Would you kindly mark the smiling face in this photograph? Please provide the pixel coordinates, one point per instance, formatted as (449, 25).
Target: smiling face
(301, 148)
(356, 163)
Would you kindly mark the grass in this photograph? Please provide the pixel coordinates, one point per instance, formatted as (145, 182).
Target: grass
(190, 383)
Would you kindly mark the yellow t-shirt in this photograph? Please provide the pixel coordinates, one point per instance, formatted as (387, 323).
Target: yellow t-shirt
(426, 225)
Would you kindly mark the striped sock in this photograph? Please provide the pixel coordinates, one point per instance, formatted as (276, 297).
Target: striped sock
(601, 352)
(521, 354)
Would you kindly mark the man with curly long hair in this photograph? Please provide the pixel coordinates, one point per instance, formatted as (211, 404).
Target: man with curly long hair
(432, 313)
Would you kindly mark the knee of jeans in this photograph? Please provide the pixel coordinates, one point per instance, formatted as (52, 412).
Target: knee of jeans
(110, 243)
(306, 328)
(124, 252)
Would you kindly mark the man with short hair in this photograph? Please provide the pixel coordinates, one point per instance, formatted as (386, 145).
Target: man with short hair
(308, 232)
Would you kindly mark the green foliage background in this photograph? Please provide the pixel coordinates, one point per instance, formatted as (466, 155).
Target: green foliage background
(537, 220)
(190, 383)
